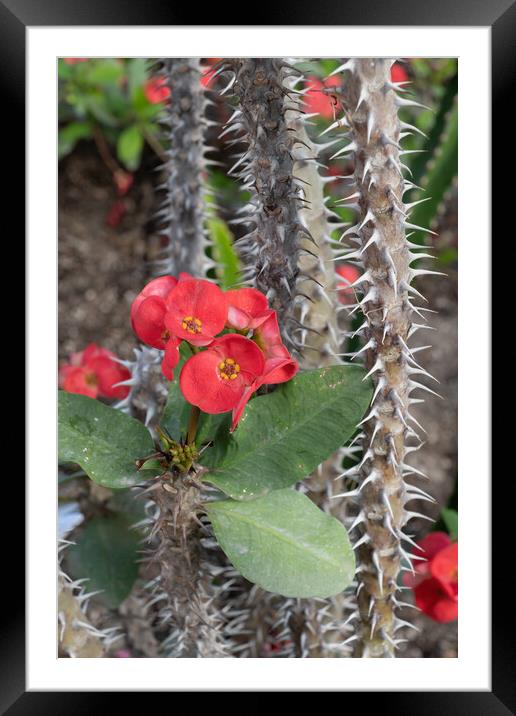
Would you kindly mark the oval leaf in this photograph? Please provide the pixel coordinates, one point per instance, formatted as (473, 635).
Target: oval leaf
(105, 552)
(129, 147)
(285, 544)
(103, 441)
(283, 436)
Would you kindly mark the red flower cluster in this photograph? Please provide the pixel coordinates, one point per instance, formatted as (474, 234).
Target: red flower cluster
(435, 583)
(224, 375)
(94, 372)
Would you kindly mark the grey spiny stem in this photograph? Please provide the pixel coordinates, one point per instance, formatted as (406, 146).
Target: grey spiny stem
(270, 248)
(382, 249)
(183, 210)
(183, 589)
(319, 330)
(270, 625)
(147, 387)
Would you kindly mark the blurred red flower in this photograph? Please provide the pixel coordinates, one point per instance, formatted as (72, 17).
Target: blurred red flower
(317, 100)
(123, 181)
(435, 582)
(350, 274)
(398, 73)
(116, 213)
(74, 60)
(156, 90)
(94, 372)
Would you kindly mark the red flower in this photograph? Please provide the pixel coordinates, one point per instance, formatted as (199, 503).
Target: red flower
(156, 90)
(216, 378)
(123, 181)
(116, 213)
(435, 582)
(171, 358)
(398, 73)
(247, 308)
(94, 372)
(148, 312)
(350, 274)
(196, 311)
(317, 100)
(206, 77)
(74, 60)
(444, 568)
(279, 365)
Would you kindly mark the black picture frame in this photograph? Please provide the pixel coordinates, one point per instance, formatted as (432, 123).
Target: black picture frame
(500, 15)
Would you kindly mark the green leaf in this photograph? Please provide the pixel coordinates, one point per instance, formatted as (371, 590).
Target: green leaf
(285, 544)
(419, 162)
(136, 74)
(105, 552)
(451, 520)
(70, 135)
(224, 254)
(129, 147)
(439, 177)
(127, 503)
(96, 104)
(105, 71)
(103, 441)
(285, 435)
(175, 416)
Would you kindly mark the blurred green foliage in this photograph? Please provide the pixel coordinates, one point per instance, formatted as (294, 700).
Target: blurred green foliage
(109, 100)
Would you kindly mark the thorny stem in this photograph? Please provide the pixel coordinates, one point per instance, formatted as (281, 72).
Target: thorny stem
(374, 136)
(271, 246)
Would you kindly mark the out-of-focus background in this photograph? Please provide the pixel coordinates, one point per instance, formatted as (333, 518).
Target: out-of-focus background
(111, 149)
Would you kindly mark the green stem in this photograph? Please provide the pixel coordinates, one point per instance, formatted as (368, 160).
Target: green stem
(192, 424)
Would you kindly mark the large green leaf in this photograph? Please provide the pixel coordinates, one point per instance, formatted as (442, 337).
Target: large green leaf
(285, 435)
(285, 544)
(103, 441)
(105, 552)
(70, 135)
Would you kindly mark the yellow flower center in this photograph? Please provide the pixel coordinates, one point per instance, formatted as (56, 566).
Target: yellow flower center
(192, 324)
(229, 369)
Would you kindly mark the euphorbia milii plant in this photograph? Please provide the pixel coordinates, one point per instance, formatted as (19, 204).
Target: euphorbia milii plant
(238, 416)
